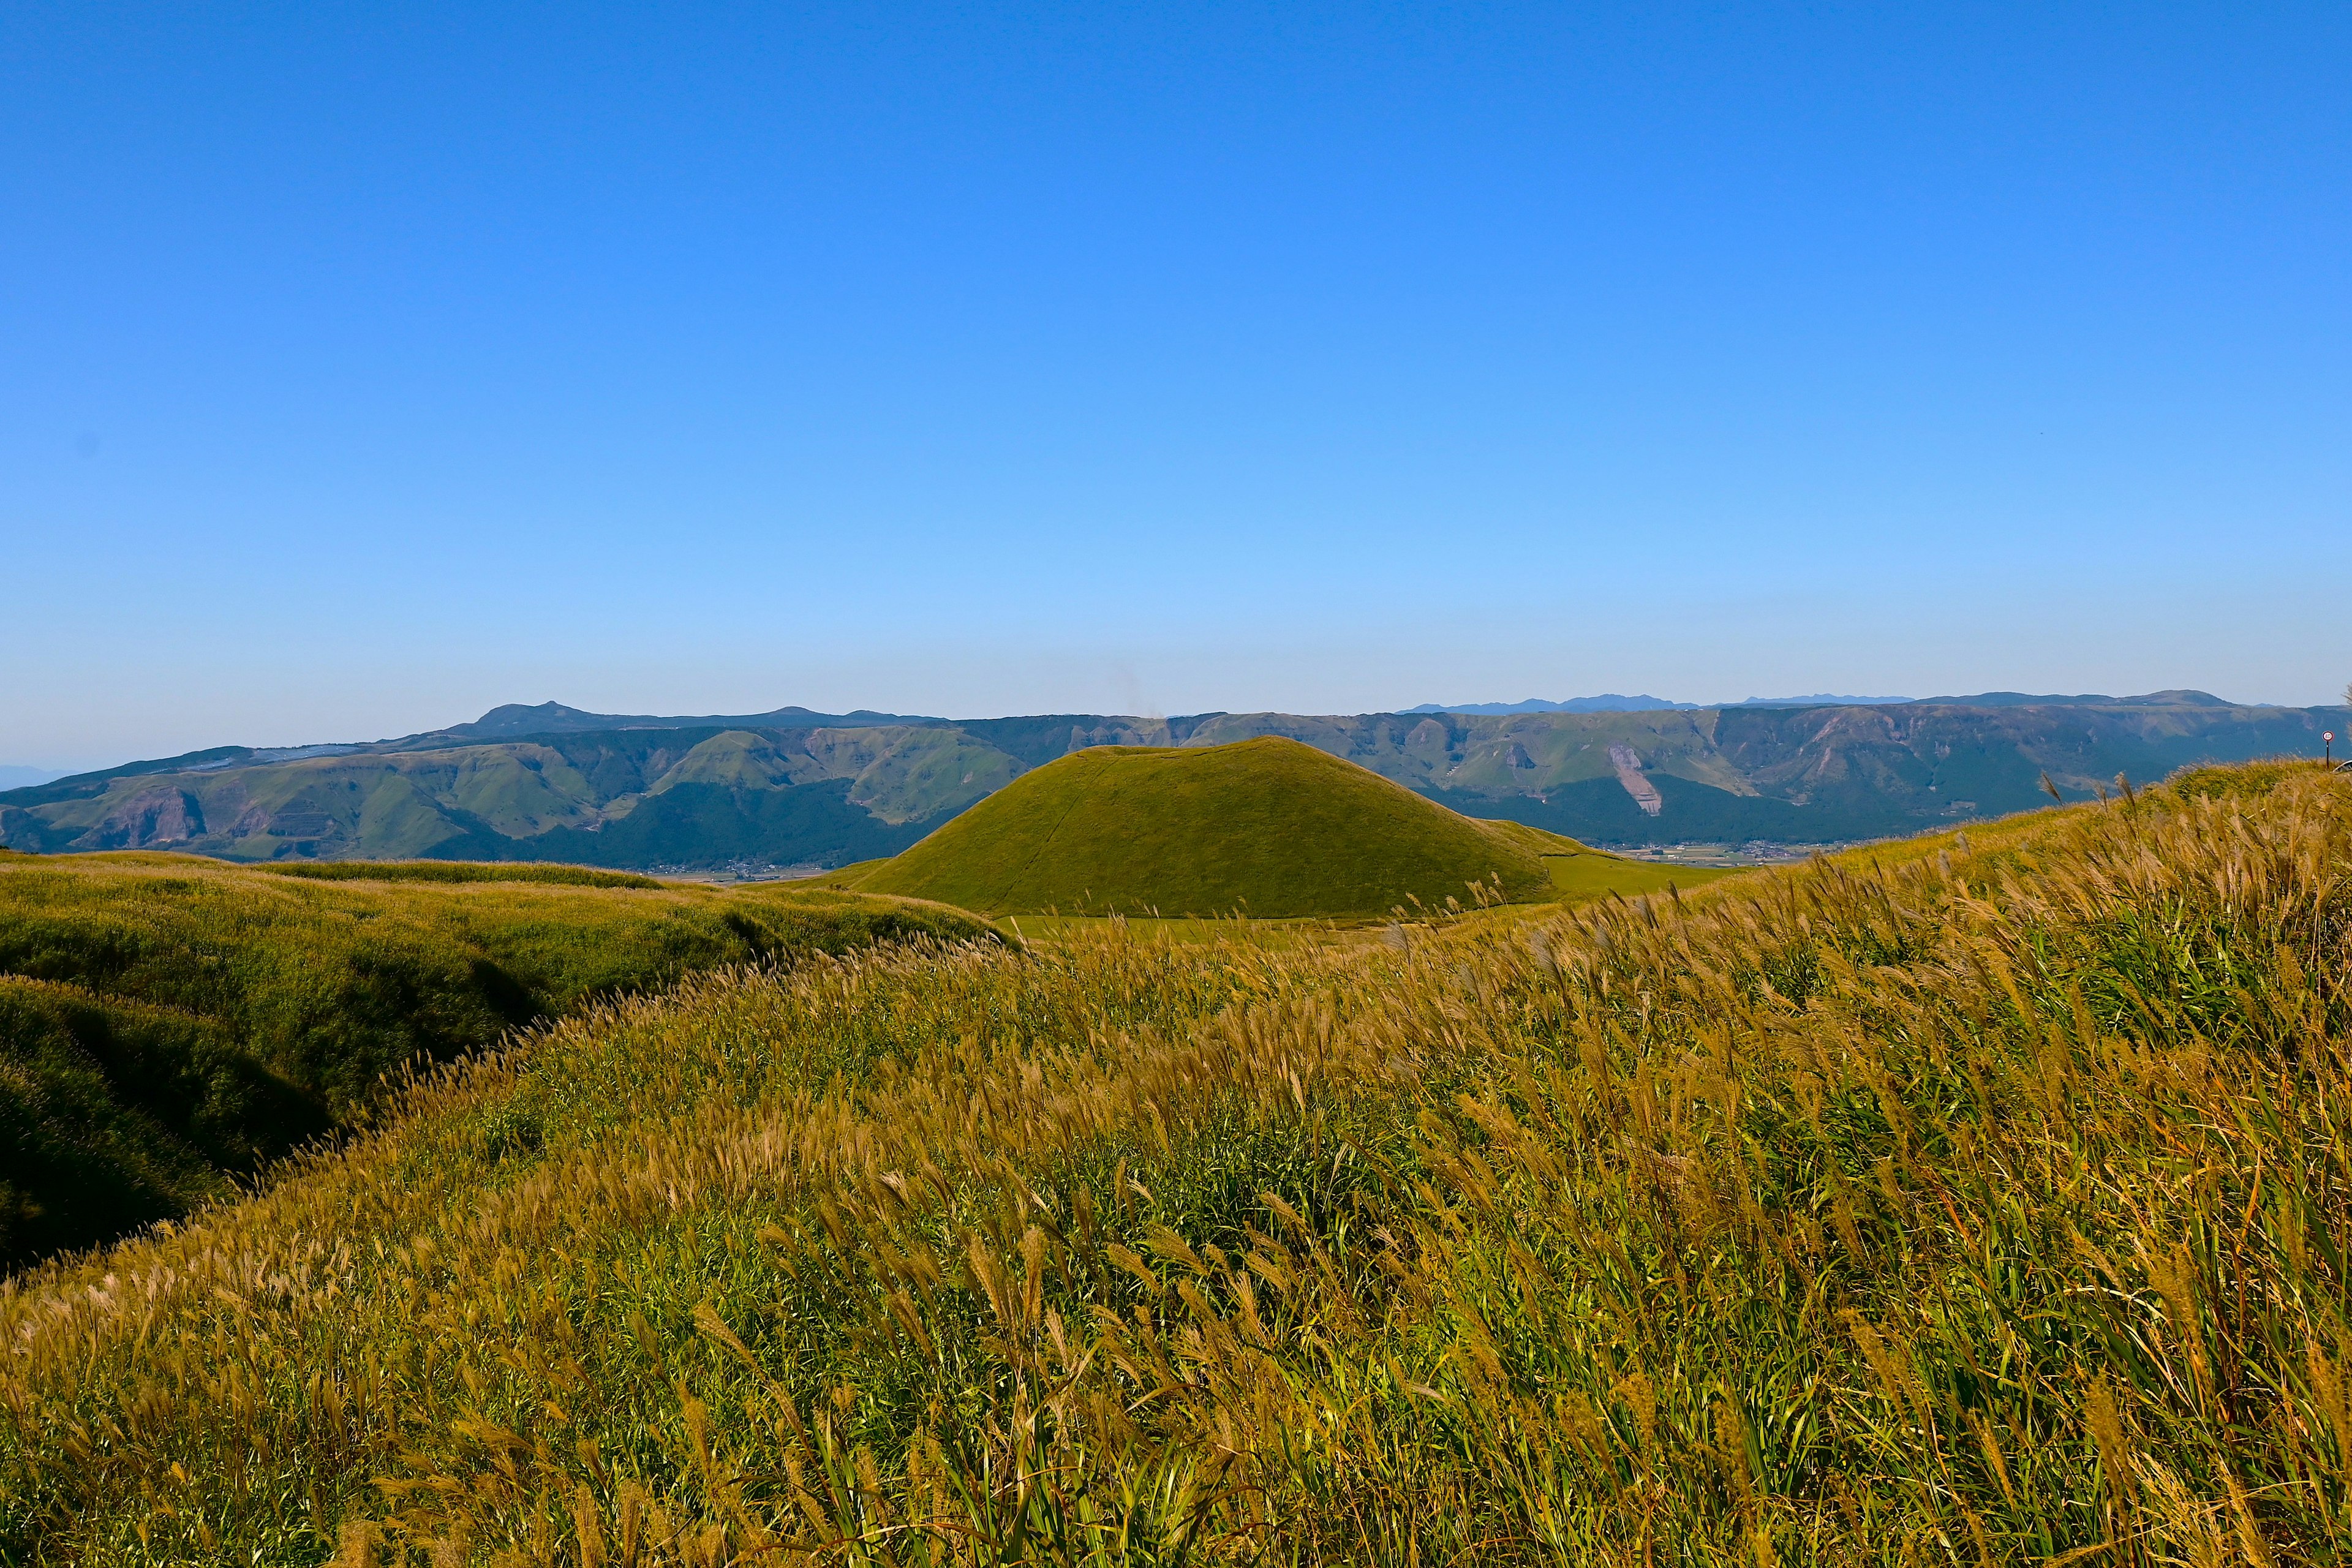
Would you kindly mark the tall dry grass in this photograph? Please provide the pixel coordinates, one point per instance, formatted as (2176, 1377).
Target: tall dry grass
(1983, 1204)
(171, 1026)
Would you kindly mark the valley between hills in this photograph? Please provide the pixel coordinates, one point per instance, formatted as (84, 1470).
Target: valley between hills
(792, 788)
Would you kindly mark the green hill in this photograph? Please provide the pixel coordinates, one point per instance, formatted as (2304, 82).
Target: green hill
(168, 1023)
(1267, 827)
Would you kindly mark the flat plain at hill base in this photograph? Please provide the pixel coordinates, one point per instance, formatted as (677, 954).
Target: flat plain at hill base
(1727, 856)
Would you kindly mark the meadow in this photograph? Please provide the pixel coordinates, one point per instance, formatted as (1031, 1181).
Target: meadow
(1586, 875)
(1978, 1199)
(1578, 876)
(169, 1023)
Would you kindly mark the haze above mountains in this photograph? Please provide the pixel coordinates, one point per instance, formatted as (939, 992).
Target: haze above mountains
(794, 787)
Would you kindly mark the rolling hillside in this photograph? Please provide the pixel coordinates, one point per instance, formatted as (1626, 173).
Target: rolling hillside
(792, 788)
(168, 1024)
(1266, 826)
(1978, 1200)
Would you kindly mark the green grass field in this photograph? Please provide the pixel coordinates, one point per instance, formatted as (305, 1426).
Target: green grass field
(1984, 1199)
(1592, 875)
(1266, 827)
(168, 1023)
(1575, 878)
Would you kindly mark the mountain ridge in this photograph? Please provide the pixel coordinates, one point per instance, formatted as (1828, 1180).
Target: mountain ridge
(645, 791)
(1616, 702)
(513, 719)
(1608, 703)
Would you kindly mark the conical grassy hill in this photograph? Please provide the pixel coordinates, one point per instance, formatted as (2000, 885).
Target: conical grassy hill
(1264, 828)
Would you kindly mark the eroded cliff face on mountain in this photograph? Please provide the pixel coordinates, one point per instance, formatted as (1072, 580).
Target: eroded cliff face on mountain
(660, 792)
(155, 818)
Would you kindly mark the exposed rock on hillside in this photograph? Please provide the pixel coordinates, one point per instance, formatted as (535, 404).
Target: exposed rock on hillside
(153, 817)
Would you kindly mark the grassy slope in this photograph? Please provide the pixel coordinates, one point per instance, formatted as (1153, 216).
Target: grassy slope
(1578, 876)
(166, 1021)
(1979, 1201)
(1268, 827)
(1575, 877)
(1577, 873)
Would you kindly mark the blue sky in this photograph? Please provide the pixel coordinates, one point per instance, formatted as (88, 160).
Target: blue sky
(364, 367)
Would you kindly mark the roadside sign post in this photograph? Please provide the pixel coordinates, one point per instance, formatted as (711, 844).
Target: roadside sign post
(2328, 738)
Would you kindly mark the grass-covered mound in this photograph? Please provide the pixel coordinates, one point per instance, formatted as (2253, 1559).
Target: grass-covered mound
(166, 1022)
(1984, 1200)
(1266, 827)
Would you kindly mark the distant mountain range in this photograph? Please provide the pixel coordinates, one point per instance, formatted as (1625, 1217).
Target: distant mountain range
(1611, 702)
(795, 787)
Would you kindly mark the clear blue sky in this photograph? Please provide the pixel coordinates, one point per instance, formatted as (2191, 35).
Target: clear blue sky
(362, 367)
